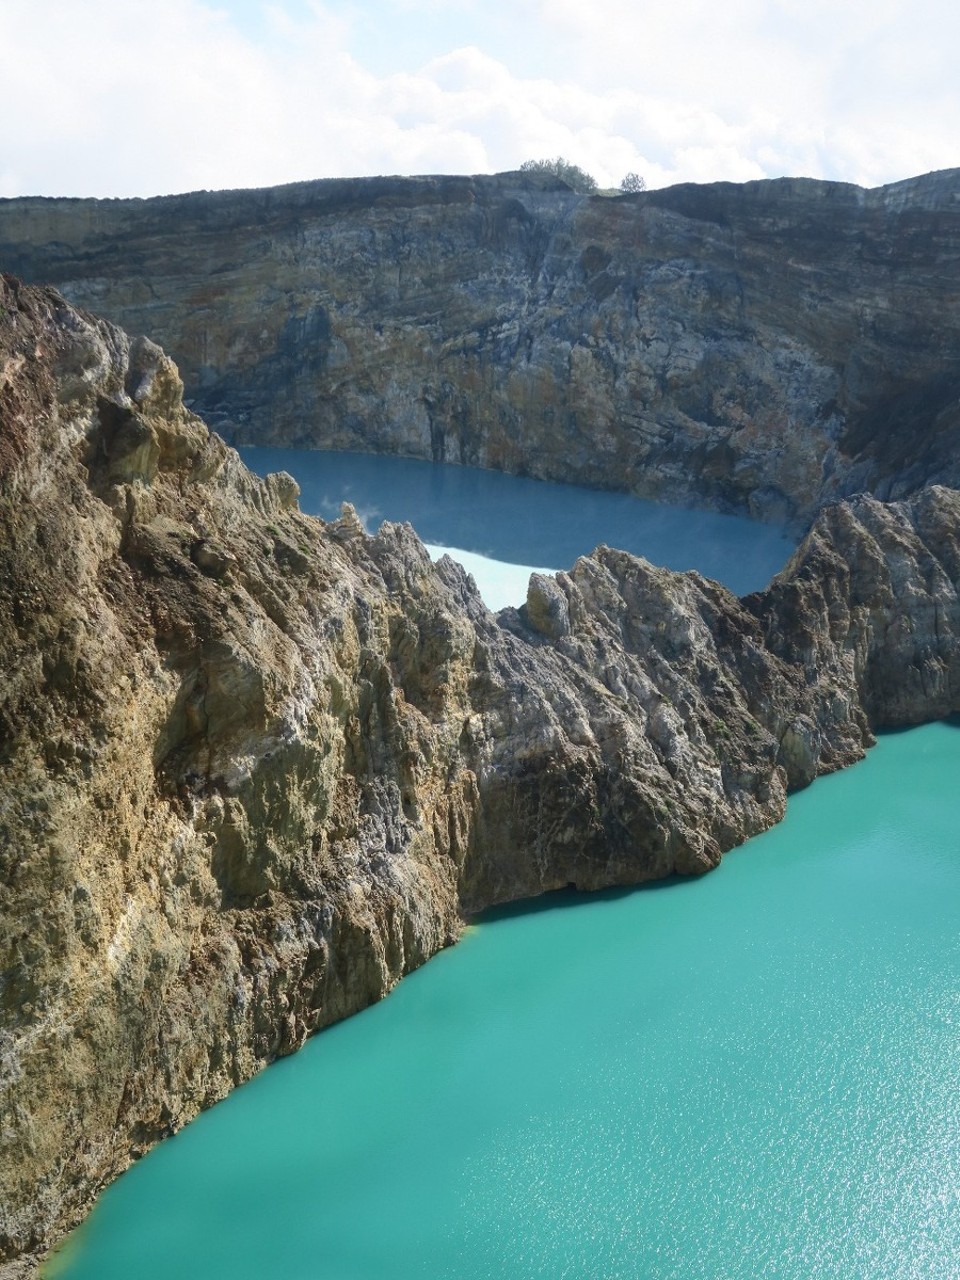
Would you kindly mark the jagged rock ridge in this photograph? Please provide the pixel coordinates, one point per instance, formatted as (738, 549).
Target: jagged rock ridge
(759, 348)
(255, 767)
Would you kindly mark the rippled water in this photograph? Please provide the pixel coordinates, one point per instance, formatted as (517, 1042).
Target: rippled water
(750, 1075)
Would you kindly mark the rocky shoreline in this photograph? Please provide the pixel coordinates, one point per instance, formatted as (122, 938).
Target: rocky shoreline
(254, 767)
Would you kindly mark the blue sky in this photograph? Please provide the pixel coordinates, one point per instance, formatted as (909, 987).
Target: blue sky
(129, 97)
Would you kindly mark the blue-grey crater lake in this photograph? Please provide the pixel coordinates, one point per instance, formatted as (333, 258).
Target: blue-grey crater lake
(525, 522)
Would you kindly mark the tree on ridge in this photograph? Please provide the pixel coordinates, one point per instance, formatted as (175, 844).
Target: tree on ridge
(571, 174)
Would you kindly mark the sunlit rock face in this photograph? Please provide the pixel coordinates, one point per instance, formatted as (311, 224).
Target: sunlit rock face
(255, 767)
(759, 348)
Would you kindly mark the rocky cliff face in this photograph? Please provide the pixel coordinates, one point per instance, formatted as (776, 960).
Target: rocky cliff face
(255, 767)
(761, 348)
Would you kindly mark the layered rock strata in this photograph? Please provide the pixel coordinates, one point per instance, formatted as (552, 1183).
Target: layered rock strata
(759, 348)
(255, 767)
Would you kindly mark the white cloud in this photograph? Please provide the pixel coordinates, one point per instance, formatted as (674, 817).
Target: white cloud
(870, 80)
(129, 98)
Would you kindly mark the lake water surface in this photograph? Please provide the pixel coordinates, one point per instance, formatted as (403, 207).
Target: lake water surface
(746, 1076)
(527, 522)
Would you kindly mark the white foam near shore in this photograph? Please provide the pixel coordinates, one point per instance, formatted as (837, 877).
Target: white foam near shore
(499, 583)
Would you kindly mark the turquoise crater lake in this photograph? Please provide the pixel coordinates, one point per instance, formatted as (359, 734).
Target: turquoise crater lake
(750, 1075)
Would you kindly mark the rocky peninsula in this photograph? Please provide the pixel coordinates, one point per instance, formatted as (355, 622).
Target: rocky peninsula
(761, 348)
(254, 767)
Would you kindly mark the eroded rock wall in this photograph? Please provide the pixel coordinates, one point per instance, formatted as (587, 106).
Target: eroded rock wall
(255, 767)
(759, 348)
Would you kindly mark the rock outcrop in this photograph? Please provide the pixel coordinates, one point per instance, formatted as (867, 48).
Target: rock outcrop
(255, 767)
(760, 348)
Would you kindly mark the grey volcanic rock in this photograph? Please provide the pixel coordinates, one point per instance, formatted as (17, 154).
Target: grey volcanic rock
(760, 348)
(254, 767)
